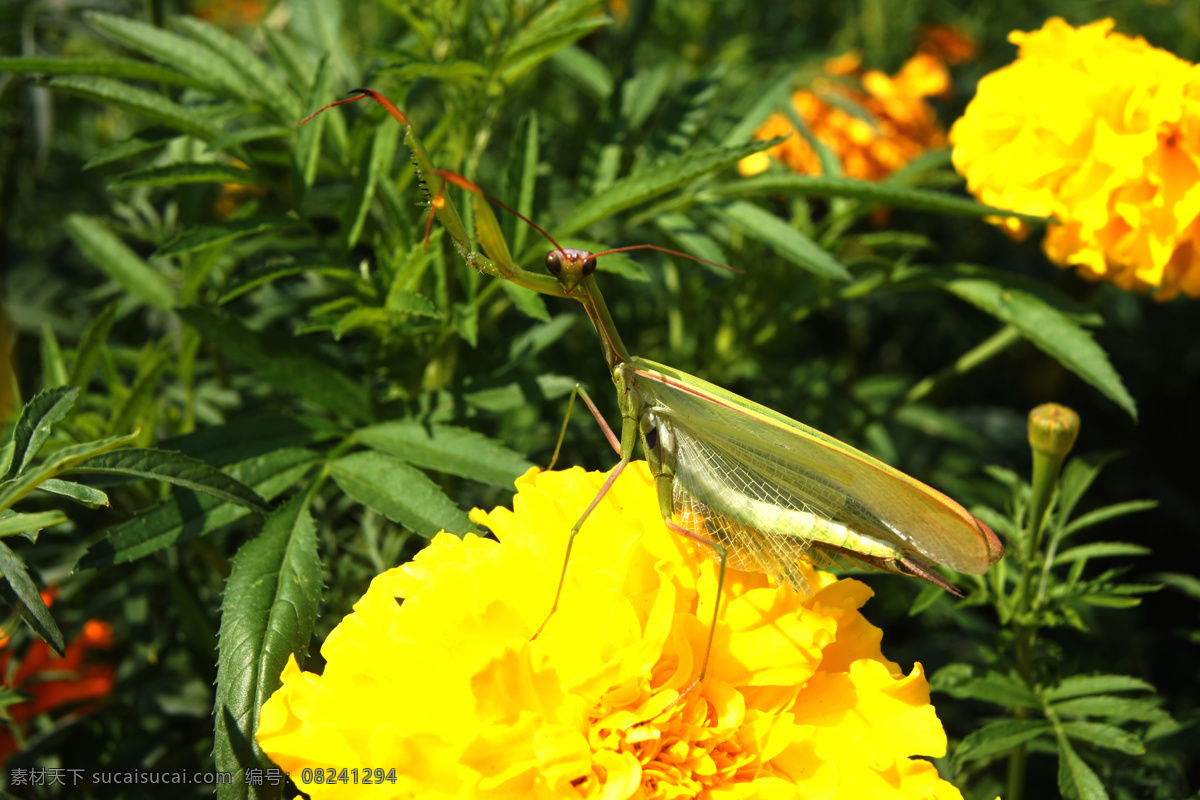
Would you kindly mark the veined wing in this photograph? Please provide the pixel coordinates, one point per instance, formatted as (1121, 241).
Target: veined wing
(816, 472)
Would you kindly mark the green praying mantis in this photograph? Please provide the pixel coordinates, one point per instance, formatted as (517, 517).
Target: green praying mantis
(762, 491)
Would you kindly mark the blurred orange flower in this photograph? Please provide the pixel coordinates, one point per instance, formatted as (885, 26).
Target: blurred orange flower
(53, 682)
(231, 13)
(947, 43)
(1102, 131)
(874, 123)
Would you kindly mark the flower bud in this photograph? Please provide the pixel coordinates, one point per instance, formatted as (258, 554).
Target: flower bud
(1053, 429)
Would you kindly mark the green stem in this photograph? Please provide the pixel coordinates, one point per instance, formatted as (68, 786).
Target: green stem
(989, 348)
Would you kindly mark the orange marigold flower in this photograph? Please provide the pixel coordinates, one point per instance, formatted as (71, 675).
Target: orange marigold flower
(1102, 131)
(53, 682)
(948, 44)
(873, 130)
(449, 690)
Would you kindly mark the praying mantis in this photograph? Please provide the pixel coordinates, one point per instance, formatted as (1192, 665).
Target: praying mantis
(762, 491)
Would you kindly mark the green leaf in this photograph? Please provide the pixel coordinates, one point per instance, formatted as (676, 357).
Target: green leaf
(148, 105)
(1077, 685)
(186, 515)
(173, 468)
(256, 78)
(558, 26)
(376, 164)
(268, 612)
(33, 608)
(959, 680)
(873, 192)
(1103, 735)
(33, 425)
(499, 399)
(793, 245)
(413, 303)
(308, 139)
(1075, 778)
(102, 67)
(527, 301)
(270, 273)
(1108, 512)
(84, 495)
(253, 435)
(105, 249)
(466, 322)
(284, 363)
(252, 134)
(653, 181)
(444, 448)
(405, 495)
(1115, 709)
(60, 461)
(185, 173)
(204, 236)
(54, 367)
(170, 48)
(997, 738)
(12, 522)
(1077, 476)
(1050, 330)
(1100, 550)
(588, 72)
(92, 343)
(131, 147)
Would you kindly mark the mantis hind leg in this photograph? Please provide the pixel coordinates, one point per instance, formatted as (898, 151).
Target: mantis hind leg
(612, 478)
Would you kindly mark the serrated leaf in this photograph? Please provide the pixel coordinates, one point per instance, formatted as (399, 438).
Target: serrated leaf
(653, 181)
(1115, 709)
(204, 236)
(1049, 329)
(170, 48)
(186, 515)
(997, 738)
(102, 67)
(790, 243)
(173, 468)
(256, 77)
(267, 614)
(174, 174)
(1100, 550)
(445, 448)
(148, 105)
(58, 462)
(1102, 735)
(873, 192)
(283, 363)
(33, 425)
(33, 608)
(1077, 685)
(557, 26)
(105, 249)
(401, 493)
(84, 495)
(12, 522)
(499, 399)
(1075, 778)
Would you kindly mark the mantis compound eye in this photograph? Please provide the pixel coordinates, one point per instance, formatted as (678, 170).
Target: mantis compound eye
(554, 262)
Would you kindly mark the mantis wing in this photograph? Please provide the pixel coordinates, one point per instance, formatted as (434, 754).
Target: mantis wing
(822, 486)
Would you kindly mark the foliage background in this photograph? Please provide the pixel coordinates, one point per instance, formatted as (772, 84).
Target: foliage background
(694, 67)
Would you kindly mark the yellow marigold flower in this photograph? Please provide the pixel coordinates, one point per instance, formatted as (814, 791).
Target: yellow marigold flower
(897, 127)
(448, 689)
(1103, 132)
